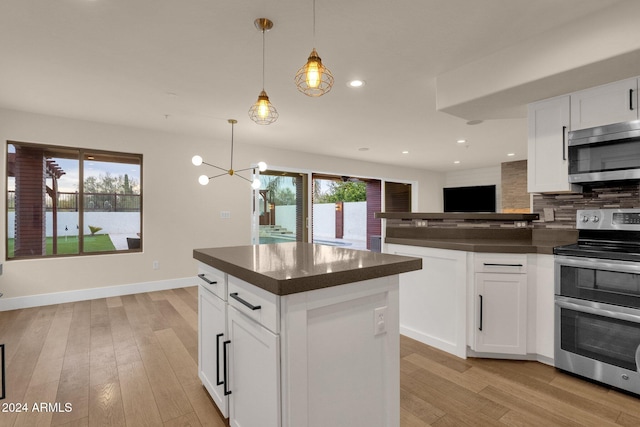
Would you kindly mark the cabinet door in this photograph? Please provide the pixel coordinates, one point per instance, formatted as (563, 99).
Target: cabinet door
(603, 105)
(501, 313)
(547, 167)
(212, 328)
(254, 373)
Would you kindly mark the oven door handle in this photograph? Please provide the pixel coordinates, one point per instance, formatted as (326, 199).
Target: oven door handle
(561, 302)
(638, 358)
(598, 264)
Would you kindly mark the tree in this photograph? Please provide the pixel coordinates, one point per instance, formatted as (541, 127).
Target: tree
(110, 184)
(279, 193)
(343, 192)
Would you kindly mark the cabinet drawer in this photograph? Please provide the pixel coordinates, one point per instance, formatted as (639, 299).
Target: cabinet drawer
(500, 263)
(258, 304)
(215, 281)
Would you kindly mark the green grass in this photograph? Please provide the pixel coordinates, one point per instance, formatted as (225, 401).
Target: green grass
(69, 245)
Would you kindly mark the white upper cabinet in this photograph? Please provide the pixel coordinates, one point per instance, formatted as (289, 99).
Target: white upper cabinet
(547, 150)
(602, 105)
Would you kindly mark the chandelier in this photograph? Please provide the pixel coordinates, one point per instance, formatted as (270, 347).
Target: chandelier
(204, 179)
(314, 79)
(263, 112)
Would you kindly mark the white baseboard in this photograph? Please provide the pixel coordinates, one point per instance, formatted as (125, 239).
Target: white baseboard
(453, 348)
(93, 293)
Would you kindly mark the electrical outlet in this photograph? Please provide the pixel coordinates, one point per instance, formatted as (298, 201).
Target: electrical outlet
(225, 214)
(156, 265)
(380, 320)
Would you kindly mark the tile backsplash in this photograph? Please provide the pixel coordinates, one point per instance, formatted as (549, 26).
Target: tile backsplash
(559, 210)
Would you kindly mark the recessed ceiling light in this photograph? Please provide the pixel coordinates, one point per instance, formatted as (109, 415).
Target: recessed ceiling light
(363, 149)
(405, 152)
(474, 122)
(456, 162)
(461, 141)
(511, 154)
(356, 83)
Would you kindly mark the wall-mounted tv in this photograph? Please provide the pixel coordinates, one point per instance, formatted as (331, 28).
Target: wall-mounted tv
(479, 198)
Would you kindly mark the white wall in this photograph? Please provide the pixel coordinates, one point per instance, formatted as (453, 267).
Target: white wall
(171, 230)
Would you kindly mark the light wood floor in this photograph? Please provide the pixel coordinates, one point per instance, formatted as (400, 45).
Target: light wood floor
(132, 361)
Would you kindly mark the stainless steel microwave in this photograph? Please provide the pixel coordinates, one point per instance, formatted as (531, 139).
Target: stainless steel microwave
(605, 153)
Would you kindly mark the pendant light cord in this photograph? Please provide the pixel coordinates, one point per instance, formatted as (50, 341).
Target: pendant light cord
(314, 24)
(263, 54)
(231, 167)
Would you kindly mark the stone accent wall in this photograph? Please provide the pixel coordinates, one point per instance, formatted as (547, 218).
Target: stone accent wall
(559, 210)
(374, 204)
(515, 198)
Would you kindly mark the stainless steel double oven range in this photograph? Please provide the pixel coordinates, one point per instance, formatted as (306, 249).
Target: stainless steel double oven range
(597, 299)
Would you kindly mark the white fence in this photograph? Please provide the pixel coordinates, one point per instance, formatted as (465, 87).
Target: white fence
(111, 223)
(324, 220)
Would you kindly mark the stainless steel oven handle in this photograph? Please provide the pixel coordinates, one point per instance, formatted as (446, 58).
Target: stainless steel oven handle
(598, 311)
(638, 359)
(598, 264)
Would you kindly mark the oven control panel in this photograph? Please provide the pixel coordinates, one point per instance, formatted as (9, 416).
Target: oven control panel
(608, 219)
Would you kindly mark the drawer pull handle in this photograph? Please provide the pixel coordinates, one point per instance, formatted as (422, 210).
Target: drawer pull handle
(203, 277)
(227, 392)
(480, 328)
(564, 143)
(218, 382)
(502, 265)
(246, 303)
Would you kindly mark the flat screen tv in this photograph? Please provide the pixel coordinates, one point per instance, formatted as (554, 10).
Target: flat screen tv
(479, 198)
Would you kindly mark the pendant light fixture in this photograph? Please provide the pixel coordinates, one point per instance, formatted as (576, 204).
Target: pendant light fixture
(263, 112)
(204, 179)
(314, 79)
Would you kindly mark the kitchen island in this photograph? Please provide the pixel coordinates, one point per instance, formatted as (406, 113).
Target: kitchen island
(296, 334)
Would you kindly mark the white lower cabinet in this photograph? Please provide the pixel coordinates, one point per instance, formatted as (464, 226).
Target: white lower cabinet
(327, 357)
(212, 318)
(500, 303)
(254, 373)
(501, 314)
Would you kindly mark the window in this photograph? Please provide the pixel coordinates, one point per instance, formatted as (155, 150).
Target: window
(69, 201)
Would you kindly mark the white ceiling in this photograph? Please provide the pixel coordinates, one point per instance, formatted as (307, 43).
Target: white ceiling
(186, 66)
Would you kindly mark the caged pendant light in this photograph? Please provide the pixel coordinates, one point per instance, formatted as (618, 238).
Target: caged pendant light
(263, 112)
(204, 179)
(314, 79)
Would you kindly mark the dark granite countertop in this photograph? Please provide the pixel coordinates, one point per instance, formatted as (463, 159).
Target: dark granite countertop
(287, 268)
(497, 241)
(459, 216)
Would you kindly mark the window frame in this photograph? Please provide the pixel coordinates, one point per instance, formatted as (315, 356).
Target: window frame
(84, 155)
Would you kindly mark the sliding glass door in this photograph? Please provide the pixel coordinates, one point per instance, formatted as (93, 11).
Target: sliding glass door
(339, 209)
(281, 207)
